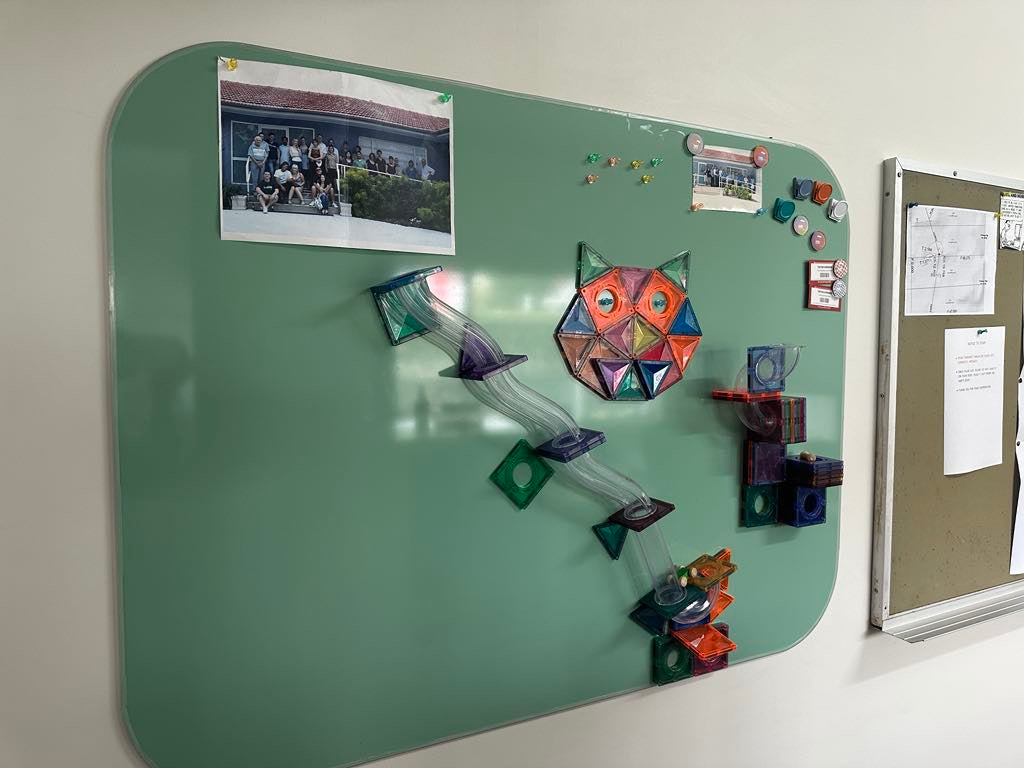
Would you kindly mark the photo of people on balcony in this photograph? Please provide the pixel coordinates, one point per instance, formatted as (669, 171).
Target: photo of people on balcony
(726, 179)
(329, 158)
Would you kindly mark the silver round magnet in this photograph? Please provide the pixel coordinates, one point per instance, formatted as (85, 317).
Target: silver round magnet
(694, 143)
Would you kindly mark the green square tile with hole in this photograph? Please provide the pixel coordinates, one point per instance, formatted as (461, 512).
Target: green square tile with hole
(760, 505)
(521, 474)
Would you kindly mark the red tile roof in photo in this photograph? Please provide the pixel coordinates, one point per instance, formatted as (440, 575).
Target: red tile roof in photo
(270, 97)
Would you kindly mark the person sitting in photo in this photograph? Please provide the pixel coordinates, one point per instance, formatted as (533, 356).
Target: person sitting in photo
(426, 172)
(257, 159)
(359, 162)
(283, 180)
(298, 182)
(410, 171)
(321, 195)
(266, 191)
(392, 166)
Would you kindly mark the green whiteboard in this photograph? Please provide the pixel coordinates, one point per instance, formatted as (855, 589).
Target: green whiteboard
(314, 567)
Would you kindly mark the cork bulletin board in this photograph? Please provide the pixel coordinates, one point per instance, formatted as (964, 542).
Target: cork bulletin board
(937, 537)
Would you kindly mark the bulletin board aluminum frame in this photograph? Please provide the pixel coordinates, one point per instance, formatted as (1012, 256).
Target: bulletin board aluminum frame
(956, 613)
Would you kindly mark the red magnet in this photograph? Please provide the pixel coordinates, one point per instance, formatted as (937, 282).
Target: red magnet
(822, 192)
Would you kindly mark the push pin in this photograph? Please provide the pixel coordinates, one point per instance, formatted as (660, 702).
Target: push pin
(696, 206)
(656, 161)
(593, 157)
(822, 192)
(760, 212)
(232, 64)
(613, 161)
(590, 178)
(635, 164)
(759, 156)
(646, 178)
(444, 98)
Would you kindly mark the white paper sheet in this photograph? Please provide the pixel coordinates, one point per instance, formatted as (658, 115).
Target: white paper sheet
(973, 401)
(1017, 550)
(1011, 220)
(951, 261)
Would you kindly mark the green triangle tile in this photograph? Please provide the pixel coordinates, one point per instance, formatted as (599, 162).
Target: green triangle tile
(612, 537)
(410, 327)
(678, 270)
(631, 388)
(590, 265)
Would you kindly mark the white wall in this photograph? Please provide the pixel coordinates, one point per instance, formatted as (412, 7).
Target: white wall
(856, 81)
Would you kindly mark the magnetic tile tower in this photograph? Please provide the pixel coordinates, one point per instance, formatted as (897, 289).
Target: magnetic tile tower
(629, 333)
(683, 601)
(777, 488)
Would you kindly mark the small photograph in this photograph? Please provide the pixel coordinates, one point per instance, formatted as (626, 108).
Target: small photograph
(329, 158)
(726, 179)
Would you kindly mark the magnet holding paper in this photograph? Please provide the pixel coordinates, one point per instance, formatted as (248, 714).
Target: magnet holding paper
(695, 143)
(840, 268)
(818, 240)
(822, 192)
(783, 210)
(837, 210)
(839, 289)
(759, 156)
(697, 207)
(800, 225)
(760, 212)
(802, 188)
(232, 64)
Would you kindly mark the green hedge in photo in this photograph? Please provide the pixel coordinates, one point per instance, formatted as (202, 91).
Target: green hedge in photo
(399, 200)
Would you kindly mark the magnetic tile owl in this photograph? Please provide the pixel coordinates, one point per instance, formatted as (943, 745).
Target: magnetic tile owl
(629, 333)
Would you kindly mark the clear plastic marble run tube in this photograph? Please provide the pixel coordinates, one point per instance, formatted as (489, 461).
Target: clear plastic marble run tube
(409, 309)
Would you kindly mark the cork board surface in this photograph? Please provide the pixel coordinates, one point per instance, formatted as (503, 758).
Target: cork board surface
(950, 535)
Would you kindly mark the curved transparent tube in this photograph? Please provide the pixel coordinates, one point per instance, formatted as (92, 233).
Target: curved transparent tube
(452, 331)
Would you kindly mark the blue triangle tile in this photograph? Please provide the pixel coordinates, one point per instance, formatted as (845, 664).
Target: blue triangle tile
(686, 322)
(652, 372)
(577, 319)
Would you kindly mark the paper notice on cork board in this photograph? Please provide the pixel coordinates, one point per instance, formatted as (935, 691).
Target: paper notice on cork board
(973, 402)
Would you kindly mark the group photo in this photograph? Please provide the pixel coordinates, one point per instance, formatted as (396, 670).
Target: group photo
(726, 179)
(329, 158)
